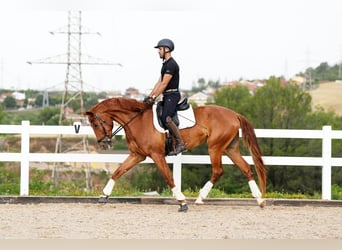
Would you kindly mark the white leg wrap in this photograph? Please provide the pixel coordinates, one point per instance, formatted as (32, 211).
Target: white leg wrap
(109, 187)
(254, 189)
(204, 192)
(178, 194)
(256, 193)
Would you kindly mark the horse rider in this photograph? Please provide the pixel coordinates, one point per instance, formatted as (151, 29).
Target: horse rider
(168, 85)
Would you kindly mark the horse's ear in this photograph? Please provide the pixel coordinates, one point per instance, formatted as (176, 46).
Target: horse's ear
(87, 113)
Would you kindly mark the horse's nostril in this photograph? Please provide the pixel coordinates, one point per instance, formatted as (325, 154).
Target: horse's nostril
(106, 144)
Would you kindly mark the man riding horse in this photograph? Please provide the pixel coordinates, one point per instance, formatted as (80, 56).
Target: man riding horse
(216, 126)
(168, 85)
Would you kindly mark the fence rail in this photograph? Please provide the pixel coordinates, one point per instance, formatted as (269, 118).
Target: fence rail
(326, 161)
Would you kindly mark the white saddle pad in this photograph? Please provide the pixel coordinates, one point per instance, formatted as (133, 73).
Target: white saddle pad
(186, 118)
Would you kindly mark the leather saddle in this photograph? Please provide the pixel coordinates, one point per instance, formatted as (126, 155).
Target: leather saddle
(182, 105)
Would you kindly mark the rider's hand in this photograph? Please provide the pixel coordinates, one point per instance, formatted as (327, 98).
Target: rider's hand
(149, 100)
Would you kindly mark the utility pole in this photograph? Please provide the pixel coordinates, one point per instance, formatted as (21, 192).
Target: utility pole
(308, 74)
(340, 68)
(45, 99)
(2, 73)
(73, 84)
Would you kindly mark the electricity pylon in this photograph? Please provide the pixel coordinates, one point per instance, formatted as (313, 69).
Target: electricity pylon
(340, 67)
(73, 84)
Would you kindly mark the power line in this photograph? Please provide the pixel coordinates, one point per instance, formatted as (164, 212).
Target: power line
(73, 84)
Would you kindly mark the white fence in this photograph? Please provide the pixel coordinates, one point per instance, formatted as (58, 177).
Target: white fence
(25, 156)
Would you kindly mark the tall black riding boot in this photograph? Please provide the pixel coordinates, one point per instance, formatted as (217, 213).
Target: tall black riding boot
(180, 146)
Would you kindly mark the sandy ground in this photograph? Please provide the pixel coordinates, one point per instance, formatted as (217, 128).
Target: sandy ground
(138, 221)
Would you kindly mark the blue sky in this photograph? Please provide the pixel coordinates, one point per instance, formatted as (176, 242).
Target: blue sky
(215, 39)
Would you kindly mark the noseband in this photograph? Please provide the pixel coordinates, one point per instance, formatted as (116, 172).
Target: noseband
(106, 138)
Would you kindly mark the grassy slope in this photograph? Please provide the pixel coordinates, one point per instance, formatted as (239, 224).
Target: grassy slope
(328, 96)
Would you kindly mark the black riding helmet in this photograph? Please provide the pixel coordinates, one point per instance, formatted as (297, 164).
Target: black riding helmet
(165, 43)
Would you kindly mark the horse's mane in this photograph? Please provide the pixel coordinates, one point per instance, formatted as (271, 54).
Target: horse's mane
(120, 103)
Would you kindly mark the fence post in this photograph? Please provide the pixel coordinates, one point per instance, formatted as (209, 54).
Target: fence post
(25, 151)
(177, 171)
(326, 168)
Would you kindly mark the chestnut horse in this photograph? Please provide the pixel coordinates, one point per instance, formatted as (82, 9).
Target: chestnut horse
(217, 126)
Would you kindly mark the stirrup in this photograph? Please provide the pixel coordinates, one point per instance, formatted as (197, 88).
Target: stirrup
(178, 149)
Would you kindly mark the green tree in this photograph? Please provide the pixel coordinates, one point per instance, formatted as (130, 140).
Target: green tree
(198, 86)
(236, 98)
(323, 72)
(201, 84)
(48, 116)
(2, 113)
(10, 102)
(39, 100)
(280, 107)
(286, 107)
(90, 99)
(214, 84)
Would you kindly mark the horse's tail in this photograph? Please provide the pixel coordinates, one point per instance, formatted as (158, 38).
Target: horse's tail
(250, 140)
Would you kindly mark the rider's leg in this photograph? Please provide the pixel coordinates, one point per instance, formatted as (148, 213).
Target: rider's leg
(180, 145)
(169, 109)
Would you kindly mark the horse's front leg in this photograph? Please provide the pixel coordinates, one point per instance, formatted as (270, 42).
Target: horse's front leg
(128, 163)
(165, 171)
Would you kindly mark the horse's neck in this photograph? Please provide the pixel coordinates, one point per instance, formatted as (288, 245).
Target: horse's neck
(121, 110)
(120, 116)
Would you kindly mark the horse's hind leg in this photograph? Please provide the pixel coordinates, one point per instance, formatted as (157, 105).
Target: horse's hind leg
(217, 172)
(233, 152)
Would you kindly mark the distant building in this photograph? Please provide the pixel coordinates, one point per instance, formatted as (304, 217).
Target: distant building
(298, 80)
(251, 85)
(131, 92)
(3, 97)
(200, 98)
(134, 93)
(113, 94)
(19, 96)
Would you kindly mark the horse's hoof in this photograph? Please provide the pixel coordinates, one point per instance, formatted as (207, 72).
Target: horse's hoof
(183, 208)
(262, 203)
(199, 201)
(103, 199)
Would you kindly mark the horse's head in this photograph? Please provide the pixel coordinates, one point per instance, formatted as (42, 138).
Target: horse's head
(102, 126)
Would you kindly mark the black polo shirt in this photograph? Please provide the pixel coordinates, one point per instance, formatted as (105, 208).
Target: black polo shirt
(171, 67)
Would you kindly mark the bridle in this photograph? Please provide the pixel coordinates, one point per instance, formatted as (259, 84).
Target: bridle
(107, 138)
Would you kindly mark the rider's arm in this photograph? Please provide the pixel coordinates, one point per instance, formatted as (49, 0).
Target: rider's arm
(160, 86)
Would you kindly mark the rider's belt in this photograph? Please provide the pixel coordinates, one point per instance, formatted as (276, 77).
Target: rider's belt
(170, 90)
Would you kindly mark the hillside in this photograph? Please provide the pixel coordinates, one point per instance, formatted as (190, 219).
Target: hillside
(328, 96)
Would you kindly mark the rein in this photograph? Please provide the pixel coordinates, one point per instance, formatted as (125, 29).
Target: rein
(119, 128)
(128, 122)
